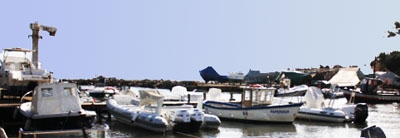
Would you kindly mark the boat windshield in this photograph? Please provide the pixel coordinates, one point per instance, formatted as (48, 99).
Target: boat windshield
(262, 96)
(70, 91)
(16, 56)
(247, 95)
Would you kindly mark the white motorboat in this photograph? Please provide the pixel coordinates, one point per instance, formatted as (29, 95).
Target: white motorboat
(102, 93)
(314, 109)
(56, 106)
(18, 73)
(293, 91)
(181, 118)
(20, 70)
(256, 105)
(126, 109)
(198, 118)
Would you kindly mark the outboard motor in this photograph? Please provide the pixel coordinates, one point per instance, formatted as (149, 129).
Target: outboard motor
(196, 115)
(372, 132)
(361, 113)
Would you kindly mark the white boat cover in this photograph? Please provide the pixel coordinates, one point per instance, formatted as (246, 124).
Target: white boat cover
(129, 92)
(236, 76)
(313, 98)
(126, 100)
(55, 98)
(151, 97)
(214, 94)
(178, 92)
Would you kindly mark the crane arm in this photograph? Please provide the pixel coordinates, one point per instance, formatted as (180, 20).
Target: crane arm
(52, 31)
(36, 27)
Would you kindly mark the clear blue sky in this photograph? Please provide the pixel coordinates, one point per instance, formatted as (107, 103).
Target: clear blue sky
(174, 39)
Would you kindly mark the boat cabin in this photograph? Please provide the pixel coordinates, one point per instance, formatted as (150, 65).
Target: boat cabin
(254, 95)
(56, 106)
(370, 85)
(55, 98)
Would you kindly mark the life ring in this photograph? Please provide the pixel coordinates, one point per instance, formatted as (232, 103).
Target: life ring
(109, 88)
(255, 85)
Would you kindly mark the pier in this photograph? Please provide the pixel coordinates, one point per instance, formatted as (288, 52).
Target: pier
(100, 109)
(225, 87)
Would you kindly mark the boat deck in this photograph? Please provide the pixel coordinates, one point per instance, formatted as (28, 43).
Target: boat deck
(388, 93)
(171, 103)
(8, 105)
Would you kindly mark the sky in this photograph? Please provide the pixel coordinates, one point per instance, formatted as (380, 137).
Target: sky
(175, 39)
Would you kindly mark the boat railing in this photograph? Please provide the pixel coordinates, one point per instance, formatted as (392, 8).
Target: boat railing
(3, 133)
(289, 99)
(352, 97)
(96, 132)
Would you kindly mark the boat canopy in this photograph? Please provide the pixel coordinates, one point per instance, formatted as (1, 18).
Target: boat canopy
(347, 77)
(255, 76)
(55, 98)
(237, 76)
(17, 53)
(257, 95)
(296, 78)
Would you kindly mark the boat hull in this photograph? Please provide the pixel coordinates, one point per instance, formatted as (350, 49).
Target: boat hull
(372, 99)
(294, 93)
(326, 115)
(55, 122)
(133, 116)
(270, 113)
(152, 123)
(187, 127)
(59, 123)
(211, 122)
(142, 123)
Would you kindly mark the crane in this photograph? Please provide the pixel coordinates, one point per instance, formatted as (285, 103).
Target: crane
(36, 27)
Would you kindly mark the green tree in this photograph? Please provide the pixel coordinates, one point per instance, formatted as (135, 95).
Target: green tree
(397, 28)
(390, 61)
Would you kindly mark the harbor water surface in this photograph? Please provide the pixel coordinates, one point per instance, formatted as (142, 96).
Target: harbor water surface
(385, 116)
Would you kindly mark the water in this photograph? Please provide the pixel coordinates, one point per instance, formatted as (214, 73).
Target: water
(385, 116)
